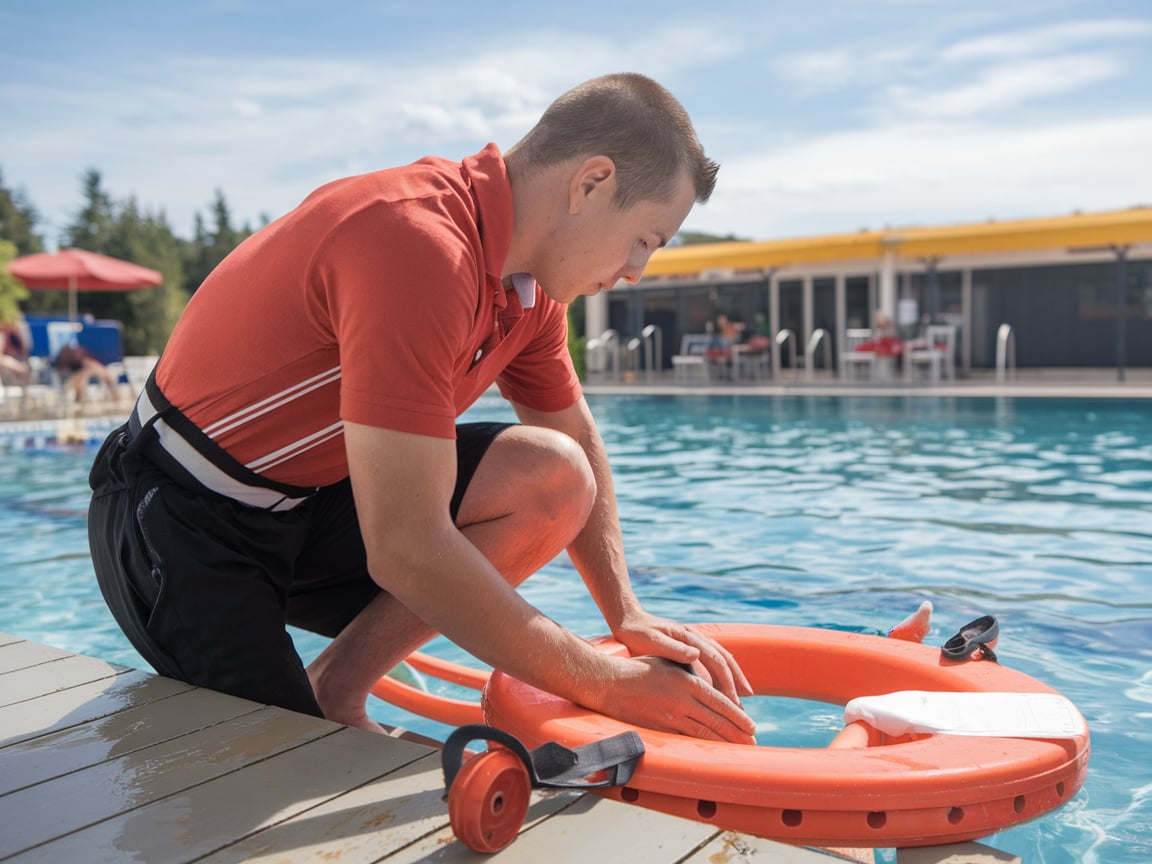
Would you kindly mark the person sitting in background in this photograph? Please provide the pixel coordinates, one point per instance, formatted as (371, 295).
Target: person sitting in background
(14, 366)
(886, 342)
(725, 333)
(719, 351)
(884, 325)
(78, 368)
(728, 330)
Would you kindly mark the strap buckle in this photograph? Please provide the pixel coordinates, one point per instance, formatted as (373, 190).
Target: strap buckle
(552, 765)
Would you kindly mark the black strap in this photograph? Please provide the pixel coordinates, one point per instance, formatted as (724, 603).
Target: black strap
(973, 636)
(552, 765)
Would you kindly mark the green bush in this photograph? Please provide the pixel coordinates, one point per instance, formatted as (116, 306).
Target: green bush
(577, 346)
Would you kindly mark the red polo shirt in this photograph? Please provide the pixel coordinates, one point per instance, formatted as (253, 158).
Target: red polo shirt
(378, 300)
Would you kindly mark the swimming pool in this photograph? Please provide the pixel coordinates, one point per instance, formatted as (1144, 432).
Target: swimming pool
(838, 512)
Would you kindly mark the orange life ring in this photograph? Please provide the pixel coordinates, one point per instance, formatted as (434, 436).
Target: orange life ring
(454, 712)
(863, 790)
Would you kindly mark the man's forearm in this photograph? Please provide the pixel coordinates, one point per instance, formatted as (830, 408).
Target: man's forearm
(598, 551)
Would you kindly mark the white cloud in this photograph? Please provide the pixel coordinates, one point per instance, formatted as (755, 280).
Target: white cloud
(1042, 40)
(931, 173)
(817, 70)
(967, 78)
(1005, 86)
(247, 108)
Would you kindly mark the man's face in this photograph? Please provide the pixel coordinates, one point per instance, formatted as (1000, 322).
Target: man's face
(599, 244)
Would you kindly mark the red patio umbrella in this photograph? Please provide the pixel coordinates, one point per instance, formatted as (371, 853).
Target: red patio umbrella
(75, 270)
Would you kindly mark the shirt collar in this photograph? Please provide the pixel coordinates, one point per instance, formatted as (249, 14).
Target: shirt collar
(525, 286)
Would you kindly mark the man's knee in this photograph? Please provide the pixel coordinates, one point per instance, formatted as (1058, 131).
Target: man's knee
(570, 485)
(535, 469)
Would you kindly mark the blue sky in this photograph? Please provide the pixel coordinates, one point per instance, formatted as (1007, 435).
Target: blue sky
(826, 115)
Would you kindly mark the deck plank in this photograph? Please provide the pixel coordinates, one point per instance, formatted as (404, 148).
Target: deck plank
(69, 671)
(120, 734)
(202, 819)
(76, 800)
(730, 847)
(588, 829)
(20, 655)
(82, 704)
(358, 826)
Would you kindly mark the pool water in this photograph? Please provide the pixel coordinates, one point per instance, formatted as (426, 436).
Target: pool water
(836, 512)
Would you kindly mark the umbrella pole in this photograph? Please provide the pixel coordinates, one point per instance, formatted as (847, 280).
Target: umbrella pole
(72, 315)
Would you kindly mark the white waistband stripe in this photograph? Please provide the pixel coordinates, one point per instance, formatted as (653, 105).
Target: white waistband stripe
(205, 471)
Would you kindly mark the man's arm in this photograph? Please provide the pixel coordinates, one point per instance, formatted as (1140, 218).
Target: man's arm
(402, 484)
(598, 553)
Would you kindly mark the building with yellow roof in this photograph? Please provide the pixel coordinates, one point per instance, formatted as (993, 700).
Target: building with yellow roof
(1057, 282)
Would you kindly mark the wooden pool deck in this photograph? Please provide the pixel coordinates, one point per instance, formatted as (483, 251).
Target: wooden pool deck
(102, 763)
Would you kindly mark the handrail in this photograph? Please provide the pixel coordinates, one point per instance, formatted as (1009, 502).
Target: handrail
(1005, 353)
(819, 337)
(653, 350)
(631, 359)
(603, 351)
(786, 335)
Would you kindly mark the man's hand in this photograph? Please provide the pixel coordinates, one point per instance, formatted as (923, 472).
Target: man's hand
(643, 634)
(661, 695)
(656, 694)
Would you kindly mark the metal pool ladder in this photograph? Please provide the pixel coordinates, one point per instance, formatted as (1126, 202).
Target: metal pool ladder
(1005, 353)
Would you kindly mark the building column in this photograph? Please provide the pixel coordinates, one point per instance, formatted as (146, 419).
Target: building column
(809, 312)
(595, 314)
(888, 284)
(774, 320)
(841, 318)
(1121, 253)
(966, 321)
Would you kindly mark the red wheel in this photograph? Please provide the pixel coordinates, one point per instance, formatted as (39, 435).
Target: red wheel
(489, 800)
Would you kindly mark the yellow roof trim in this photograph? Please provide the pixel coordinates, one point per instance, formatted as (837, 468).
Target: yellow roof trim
(1082, 230)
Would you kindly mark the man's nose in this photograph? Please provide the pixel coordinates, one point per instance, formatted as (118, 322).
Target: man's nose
(632, 271)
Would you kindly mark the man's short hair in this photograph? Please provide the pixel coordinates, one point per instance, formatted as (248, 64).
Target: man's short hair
(633, 121)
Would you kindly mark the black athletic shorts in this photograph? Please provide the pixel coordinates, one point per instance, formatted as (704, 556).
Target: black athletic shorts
(203, 585)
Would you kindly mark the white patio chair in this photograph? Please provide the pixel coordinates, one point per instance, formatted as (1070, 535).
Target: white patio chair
(751, 362)
(692, 361)
(936, 356)
(855, 363)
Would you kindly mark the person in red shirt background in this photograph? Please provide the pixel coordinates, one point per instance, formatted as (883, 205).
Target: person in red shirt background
(296, 457)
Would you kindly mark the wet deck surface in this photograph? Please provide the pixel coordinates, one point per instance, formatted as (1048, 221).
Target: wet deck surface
(103, 763)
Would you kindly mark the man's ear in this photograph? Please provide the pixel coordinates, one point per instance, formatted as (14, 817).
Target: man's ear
(595, 176)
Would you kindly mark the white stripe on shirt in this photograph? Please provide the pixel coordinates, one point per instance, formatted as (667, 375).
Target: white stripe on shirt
(277, 400)
(290, 451)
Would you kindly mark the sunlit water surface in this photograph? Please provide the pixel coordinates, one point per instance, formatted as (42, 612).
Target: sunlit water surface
(829, 512)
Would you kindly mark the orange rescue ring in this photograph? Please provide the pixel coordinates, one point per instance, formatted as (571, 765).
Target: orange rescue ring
(864, 790)
(454, 712)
